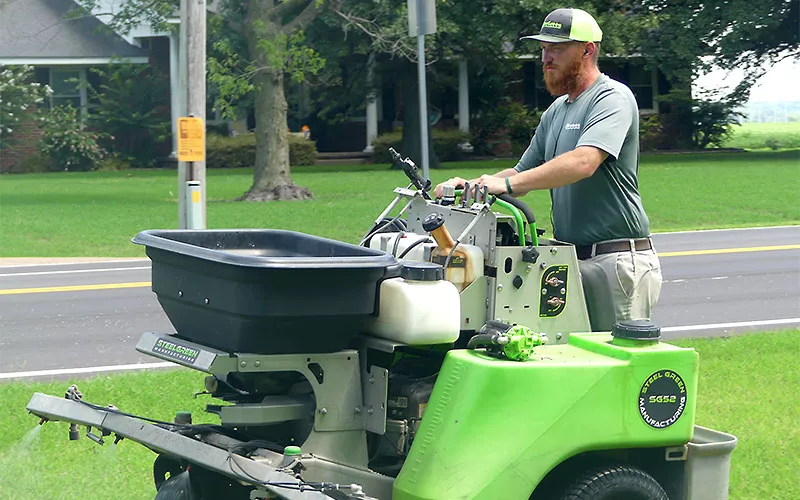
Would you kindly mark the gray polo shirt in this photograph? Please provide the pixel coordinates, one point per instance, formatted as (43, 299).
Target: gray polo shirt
(607, 205)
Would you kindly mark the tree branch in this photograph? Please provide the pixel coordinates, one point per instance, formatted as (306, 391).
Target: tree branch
(282, 8)
(380, 41)
(306, 16)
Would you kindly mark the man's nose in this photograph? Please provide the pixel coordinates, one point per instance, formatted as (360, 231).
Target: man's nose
(546, 56)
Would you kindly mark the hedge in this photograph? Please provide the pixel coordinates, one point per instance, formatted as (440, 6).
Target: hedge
(240, 151)
(445, 143)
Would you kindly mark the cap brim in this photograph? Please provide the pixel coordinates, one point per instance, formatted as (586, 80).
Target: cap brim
(547, 38)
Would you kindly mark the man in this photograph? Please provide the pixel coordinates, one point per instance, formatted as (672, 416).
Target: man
(586, 152)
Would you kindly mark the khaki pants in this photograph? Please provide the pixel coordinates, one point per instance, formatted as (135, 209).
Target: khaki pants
(620, 286)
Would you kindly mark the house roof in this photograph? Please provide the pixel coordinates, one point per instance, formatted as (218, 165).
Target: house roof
(39, 32)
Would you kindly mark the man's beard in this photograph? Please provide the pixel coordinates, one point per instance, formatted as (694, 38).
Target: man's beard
(563, 80)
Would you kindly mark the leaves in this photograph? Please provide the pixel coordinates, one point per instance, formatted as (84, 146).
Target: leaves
(71, 146)
(18, 94)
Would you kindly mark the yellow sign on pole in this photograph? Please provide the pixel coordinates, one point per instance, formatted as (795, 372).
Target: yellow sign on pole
(191, 139)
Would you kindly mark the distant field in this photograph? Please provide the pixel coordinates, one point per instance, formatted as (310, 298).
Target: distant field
(765, 136)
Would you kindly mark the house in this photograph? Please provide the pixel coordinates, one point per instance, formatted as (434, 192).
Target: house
(63, 47)
(450, 105)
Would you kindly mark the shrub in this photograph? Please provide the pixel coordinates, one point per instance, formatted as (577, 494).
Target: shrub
(240, 151)
(68, 143)
(445, 143)
(114, 163)
(19, 97)
(32, 164)
(650, 132)
(508, 128)
(712, 122)
(302, 152)
(131, 105)
(382, 143)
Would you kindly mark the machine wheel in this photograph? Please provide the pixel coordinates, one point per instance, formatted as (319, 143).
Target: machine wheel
(618, 482)
(165, 468)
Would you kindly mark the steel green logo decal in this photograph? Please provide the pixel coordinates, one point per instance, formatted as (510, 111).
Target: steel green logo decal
(176, 351)
(662, 399)
(551, 24)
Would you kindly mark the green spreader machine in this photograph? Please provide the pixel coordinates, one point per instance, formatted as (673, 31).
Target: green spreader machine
(448, 356)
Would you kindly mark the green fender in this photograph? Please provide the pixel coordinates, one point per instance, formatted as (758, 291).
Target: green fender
(494, 428)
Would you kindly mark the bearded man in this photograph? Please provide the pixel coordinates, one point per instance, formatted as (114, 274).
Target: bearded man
(586, 152)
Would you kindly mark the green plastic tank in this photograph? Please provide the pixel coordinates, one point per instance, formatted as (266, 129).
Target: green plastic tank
(494, 428)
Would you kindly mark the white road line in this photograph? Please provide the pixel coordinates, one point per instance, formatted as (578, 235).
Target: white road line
(69, 263)
(149, 366)
(729, 229)
(75, 271)
(88, 369)
(712, 326)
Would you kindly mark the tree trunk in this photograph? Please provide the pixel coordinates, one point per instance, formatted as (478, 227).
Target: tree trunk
(412, 144)
(271, 177)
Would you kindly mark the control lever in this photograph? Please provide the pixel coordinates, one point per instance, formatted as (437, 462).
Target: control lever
(412, 172)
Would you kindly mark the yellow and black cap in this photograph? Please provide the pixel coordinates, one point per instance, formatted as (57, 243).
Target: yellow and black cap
(568, 25)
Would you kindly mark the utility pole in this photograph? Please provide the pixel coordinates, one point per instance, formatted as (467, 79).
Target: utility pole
(191, 133)
(421, 22)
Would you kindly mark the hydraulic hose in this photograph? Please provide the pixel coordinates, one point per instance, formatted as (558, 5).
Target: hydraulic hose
(411, 246)
(517, 217)
(525, 209)
(482, 340)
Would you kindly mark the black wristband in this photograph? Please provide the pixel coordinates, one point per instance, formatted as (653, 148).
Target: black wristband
(508, 186)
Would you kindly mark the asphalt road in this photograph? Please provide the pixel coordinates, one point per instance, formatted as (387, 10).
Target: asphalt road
(59, 318)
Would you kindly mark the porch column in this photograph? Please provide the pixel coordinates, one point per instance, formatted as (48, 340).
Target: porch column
(463, 104)
(372, 106)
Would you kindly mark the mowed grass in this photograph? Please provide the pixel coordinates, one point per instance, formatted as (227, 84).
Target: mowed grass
(97, 213)
(758, 136)
(748, 387)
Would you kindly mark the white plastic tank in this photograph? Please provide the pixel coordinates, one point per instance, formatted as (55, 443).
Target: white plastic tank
(418, 308)
(410, 245)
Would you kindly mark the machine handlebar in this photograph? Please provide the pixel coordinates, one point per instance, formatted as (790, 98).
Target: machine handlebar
(412, 172)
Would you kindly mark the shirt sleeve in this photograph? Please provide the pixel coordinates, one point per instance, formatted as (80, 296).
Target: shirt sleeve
(534, 155)
(607, 123)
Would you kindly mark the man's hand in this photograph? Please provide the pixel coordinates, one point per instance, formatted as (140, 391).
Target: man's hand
(456, 182)
(496, 185)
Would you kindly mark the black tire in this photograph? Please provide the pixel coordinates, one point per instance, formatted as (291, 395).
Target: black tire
(618, 482)
(164, 468)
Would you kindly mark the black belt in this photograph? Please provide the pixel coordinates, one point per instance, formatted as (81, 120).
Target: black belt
(588, 251)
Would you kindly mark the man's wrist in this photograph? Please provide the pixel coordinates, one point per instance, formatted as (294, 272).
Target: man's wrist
(508, 186)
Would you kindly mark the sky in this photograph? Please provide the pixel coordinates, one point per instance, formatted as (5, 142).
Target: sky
(780, 83)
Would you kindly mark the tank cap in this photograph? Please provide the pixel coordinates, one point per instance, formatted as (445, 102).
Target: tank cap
(292, 451)
(636, 329)
(432, 221)
(422, 271)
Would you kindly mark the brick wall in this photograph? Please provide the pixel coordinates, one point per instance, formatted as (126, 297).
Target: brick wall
(25, 142)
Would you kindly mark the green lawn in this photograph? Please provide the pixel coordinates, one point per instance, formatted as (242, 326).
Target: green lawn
(748, 387)
(757, 136)
(97, 213)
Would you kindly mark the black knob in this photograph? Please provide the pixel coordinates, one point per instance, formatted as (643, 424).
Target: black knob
(517, 282)
(530, 255)
(432, 221)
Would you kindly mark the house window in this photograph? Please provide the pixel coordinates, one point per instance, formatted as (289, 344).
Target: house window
(69, 87)
(642, 83)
